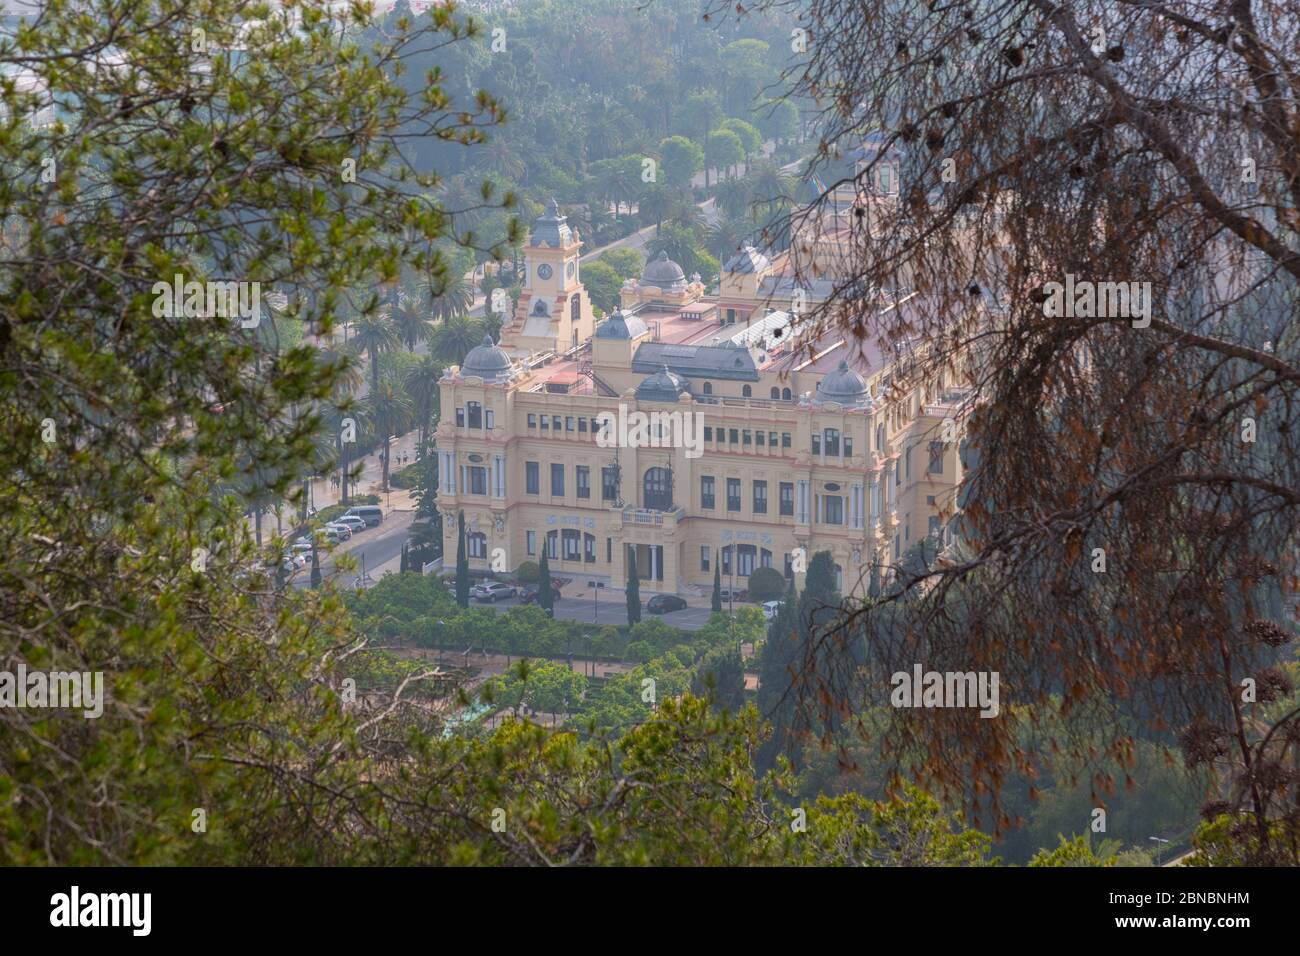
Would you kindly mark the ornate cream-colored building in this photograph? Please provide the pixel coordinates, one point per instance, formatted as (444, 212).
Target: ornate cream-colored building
(803, 448)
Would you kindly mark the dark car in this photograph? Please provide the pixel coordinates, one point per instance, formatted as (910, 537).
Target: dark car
(663, 603)
(529, 595)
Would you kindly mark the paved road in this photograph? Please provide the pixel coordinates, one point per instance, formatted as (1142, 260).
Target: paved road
(611, 610)
(380, 547)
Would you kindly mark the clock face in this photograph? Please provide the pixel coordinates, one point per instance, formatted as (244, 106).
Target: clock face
(544, 270)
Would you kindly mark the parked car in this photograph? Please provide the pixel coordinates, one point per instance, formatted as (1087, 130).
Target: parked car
(354, 523)
(740, 594)
(328, 535)
(771, 608)
(342, 530)
(530, 594)
(489, 592)
(302, 546)
(370, 514)
(663, 603)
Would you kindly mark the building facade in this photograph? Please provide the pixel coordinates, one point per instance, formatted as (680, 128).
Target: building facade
(793, 447)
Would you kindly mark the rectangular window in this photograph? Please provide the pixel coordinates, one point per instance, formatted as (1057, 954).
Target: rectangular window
(555, 422)
(474, 414)
(546, 423)
(532, 420)
(848, 447)
(532, 481)
(460, 418)
(733, 494)
(609, 550)
(477, 480)
(816, 444)
(747, 437)
(530, 541)
(582, 425)
(759, 438)
(608, 489)
(734, 436)
(704, 557)
(477, 546)
(557, 481)
(936, 458)
(760, 497)
(568, 423)
(708, 433)
(552, 545)
(589, 548)
(787, 498)
(833, 509)
(489, 419)
(706, 491)
(771, 439)
(785, 439)
(583, 481)
(833, 442)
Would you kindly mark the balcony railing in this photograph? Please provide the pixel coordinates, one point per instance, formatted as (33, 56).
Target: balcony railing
(650, 516)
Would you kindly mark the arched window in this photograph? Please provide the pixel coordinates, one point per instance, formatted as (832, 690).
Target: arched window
(575, 308)
(657, 489)
(785, 394)
(776, 392)
(708, 388)
(747, 392)
(476, 544)
(880, 437)
(839, 578)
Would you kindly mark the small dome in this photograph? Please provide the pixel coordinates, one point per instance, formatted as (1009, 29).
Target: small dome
(663, 386)
(488, 361)
(844, 386)
(747, 260)
(551, 228)
(664, 273)
(621, 325)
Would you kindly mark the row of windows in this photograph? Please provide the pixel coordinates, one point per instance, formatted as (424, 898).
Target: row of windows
(745, 436)
(569, 545)
(566, 423)
(473, 415)
(581, 481)
(708, 495)
(777, 394)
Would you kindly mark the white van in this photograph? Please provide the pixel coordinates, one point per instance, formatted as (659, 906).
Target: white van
(370, 514)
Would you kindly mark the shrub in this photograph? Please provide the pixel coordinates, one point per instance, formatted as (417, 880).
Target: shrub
(766, 584)
(528, 572)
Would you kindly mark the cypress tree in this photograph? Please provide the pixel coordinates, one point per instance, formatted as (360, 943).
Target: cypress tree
(406, 564)
(462, 562)
(633, 590)
(717, 586)
(544, 597)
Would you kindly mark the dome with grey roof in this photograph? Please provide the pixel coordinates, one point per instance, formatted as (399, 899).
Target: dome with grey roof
(621, 325)
(663, 386)
(845, 386)
(551, 228)
(664, 273)
(488, 361)
(747, 260)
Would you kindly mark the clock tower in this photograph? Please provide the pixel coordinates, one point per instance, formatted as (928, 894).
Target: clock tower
(554, 313)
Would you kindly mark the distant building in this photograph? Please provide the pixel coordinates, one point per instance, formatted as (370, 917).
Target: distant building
(804, 443)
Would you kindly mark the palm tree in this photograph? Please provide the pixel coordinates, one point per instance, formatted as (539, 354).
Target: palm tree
(374, 334)
(684, 214)
(452, 298)
(347, 376)
(332, 417)
(498, 156)
(421, 384)
(735, 196)
(656, 201)
(389, 410)
(770, 186)
(727, 235)
(410, 321)
(453, 339)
